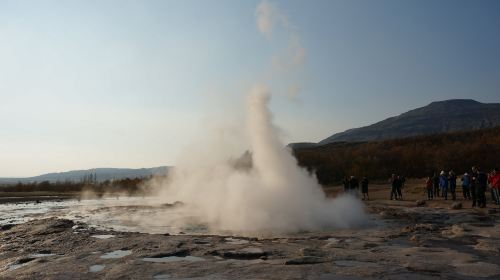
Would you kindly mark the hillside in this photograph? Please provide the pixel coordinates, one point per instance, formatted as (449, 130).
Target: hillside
(102, 174)
(437, 117)
(417, 157)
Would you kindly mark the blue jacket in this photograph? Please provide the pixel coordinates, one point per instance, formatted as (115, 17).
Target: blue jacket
(443, 181)
(466, 180)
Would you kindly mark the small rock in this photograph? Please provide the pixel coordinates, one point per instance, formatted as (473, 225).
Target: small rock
(456, 205)
(420, 202)
(242, 254)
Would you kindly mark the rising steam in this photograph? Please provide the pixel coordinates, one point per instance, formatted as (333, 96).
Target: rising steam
(273, 196)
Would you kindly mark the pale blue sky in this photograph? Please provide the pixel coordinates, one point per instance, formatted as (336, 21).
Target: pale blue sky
(127, 83)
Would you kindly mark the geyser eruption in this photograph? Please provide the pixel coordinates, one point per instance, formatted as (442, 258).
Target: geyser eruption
(273, 196)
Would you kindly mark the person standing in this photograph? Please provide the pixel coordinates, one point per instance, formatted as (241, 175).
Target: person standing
(399, 187)
(473, 186)
(481, 185)
(494, 180)
(466, 186)
(443, 183)
(428, 187)
(346, 184)
(394, 186)
(364, 188)
(435, 184)
(354, 185)
(452, 178)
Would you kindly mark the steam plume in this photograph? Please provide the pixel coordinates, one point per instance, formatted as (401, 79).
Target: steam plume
(274, 196)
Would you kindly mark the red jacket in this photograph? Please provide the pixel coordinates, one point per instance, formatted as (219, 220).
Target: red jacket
(495, 181)
(428, 184)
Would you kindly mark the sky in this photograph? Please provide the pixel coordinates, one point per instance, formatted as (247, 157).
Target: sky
(100, 83)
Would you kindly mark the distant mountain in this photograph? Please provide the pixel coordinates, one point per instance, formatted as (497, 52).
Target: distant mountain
(437, 117)
(102, 174)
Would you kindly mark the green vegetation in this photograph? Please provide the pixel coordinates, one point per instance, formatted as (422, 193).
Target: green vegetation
(415, 157)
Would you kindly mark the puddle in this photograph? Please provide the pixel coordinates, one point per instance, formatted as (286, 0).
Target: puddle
(103, 236)
(173, 259)
(16, 266)
(333, 240)
(237, 261)
(252, 250)
(20, 263)
(96, 268)
(348, 263)
(236, 241)
(41, 255)
(116, 254)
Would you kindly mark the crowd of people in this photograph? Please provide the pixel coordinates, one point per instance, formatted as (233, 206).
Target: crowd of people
(351, 185)
(474, 186)
(397, 183)
(443, 184)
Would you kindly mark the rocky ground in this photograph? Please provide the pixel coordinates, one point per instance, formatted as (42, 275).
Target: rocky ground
(404, 241)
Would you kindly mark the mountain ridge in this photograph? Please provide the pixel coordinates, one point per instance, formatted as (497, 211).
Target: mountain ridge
(102, 174)
(437, 117)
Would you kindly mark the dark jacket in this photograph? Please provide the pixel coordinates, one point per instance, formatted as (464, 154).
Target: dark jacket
(435, 181)
(481, 180)
(453, 181)
(364, 185)
(354, 183)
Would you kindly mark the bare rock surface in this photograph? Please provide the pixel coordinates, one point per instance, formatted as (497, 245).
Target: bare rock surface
(401, 243)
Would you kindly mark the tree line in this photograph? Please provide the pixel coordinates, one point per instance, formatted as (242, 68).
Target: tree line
(415, 157)
(127, 185)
